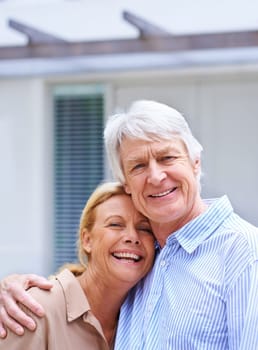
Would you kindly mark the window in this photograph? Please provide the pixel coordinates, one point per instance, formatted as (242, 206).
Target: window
(79, 163)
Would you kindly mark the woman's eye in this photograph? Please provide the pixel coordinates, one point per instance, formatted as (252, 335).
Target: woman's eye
(146, 229)
(117, 225)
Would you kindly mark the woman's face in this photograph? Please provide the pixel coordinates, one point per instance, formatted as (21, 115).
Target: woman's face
(120, 244)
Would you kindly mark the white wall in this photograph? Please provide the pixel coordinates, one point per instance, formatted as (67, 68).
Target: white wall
(22, 197)
(231, 142)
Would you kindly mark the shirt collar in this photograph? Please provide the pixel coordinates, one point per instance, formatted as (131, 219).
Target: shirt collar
(191, 235)
(76, 301)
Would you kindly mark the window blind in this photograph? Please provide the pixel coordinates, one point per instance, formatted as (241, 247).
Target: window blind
(78, 115)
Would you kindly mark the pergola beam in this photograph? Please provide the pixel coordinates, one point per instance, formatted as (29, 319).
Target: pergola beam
(146, 29)
(34, 36)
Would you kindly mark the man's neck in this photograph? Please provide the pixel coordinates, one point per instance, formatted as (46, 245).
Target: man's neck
(163, 230)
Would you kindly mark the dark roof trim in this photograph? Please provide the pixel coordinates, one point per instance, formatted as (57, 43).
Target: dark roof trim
(156, 44)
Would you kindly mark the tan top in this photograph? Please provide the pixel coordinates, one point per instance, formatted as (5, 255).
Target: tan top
(68, 324)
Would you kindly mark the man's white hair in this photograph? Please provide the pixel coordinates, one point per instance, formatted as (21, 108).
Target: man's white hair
(150, 121)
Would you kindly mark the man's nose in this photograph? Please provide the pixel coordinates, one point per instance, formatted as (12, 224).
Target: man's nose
(156, 173)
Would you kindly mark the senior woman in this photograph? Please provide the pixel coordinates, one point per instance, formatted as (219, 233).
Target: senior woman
(116, 249)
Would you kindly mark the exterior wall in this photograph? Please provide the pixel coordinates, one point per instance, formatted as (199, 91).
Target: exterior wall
(221, 107)
(22, 201)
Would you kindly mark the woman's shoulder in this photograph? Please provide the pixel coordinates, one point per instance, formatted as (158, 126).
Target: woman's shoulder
(55, 297)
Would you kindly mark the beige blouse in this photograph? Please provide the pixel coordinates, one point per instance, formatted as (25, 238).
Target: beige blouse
(68, 324)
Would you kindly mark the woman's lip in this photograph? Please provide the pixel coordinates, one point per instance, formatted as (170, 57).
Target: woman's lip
(127, 256)
(128, 252)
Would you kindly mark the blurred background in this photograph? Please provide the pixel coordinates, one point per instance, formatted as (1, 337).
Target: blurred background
(65, 65)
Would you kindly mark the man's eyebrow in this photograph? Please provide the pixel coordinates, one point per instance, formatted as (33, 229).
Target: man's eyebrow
(133, 159)
(167, 149)
(141, 158)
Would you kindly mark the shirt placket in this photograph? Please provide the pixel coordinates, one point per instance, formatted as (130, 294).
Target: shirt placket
(155, 296)
(158, 281)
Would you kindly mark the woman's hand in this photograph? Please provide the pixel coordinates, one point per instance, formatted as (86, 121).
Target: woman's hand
(13, 290)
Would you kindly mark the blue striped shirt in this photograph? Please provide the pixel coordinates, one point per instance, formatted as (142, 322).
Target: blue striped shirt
(202, 292)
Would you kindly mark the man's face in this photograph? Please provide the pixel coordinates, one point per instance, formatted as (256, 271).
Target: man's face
(161, 179)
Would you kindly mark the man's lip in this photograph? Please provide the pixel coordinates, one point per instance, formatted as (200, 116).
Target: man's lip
(162, 193)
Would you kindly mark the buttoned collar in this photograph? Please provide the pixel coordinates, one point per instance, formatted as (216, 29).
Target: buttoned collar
(191, 235)
(76, 301)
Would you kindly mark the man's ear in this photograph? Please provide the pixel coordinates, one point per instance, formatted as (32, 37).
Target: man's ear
(197, 165)
(86, 241)
(127, 189)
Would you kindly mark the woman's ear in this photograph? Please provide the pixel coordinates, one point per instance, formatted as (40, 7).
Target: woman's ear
(86, 240)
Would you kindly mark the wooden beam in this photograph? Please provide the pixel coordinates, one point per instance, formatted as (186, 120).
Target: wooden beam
(156, 44)
(34, 36)
(146, 29)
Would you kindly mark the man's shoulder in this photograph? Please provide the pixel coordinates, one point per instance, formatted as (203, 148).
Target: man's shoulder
(242, 229)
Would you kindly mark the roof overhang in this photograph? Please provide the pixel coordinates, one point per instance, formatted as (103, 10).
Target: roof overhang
(127, 62)
(154, 48)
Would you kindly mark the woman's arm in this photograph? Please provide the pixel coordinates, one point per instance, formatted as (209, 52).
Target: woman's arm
(12, 290)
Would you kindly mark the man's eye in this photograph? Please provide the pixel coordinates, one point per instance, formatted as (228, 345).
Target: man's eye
(168, 158)
(138, 166)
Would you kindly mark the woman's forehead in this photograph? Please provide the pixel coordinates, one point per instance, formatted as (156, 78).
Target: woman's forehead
(121, 205)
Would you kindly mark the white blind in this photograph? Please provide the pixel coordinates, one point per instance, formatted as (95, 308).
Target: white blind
(79, 164)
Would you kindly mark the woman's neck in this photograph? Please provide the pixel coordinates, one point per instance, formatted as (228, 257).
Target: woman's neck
(105, 301)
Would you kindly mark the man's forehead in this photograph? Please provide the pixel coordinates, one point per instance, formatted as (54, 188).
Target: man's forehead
(134, 149)
(150, 140)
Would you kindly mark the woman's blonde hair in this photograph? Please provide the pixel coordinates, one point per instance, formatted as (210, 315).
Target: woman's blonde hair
(102, 193)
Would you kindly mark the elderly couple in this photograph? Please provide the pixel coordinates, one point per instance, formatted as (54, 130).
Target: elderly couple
(201, 289)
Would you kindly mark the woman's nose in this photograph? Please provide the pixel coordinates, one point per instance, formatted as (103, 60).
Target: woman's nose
(132, 236)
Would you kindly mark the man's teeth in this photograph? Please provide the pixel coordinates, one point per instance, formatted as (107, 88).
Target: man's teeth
(125, 255)
(161, 194)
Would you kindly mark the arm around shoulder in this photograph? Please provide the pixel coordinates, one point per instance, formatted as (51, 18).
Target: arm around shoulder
(29, 340)
(13, 289)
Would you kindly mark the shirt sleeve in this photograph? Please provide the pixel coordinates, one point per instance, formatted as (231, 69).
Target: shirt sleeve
(242, 310)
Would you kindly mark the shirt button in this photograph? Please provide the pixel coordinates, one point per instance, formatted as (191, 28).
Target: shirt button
(163, 263)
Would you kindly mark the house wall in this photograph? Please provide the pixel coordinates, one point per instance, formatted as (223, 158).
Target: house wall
(221, 107)
(23, 225)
